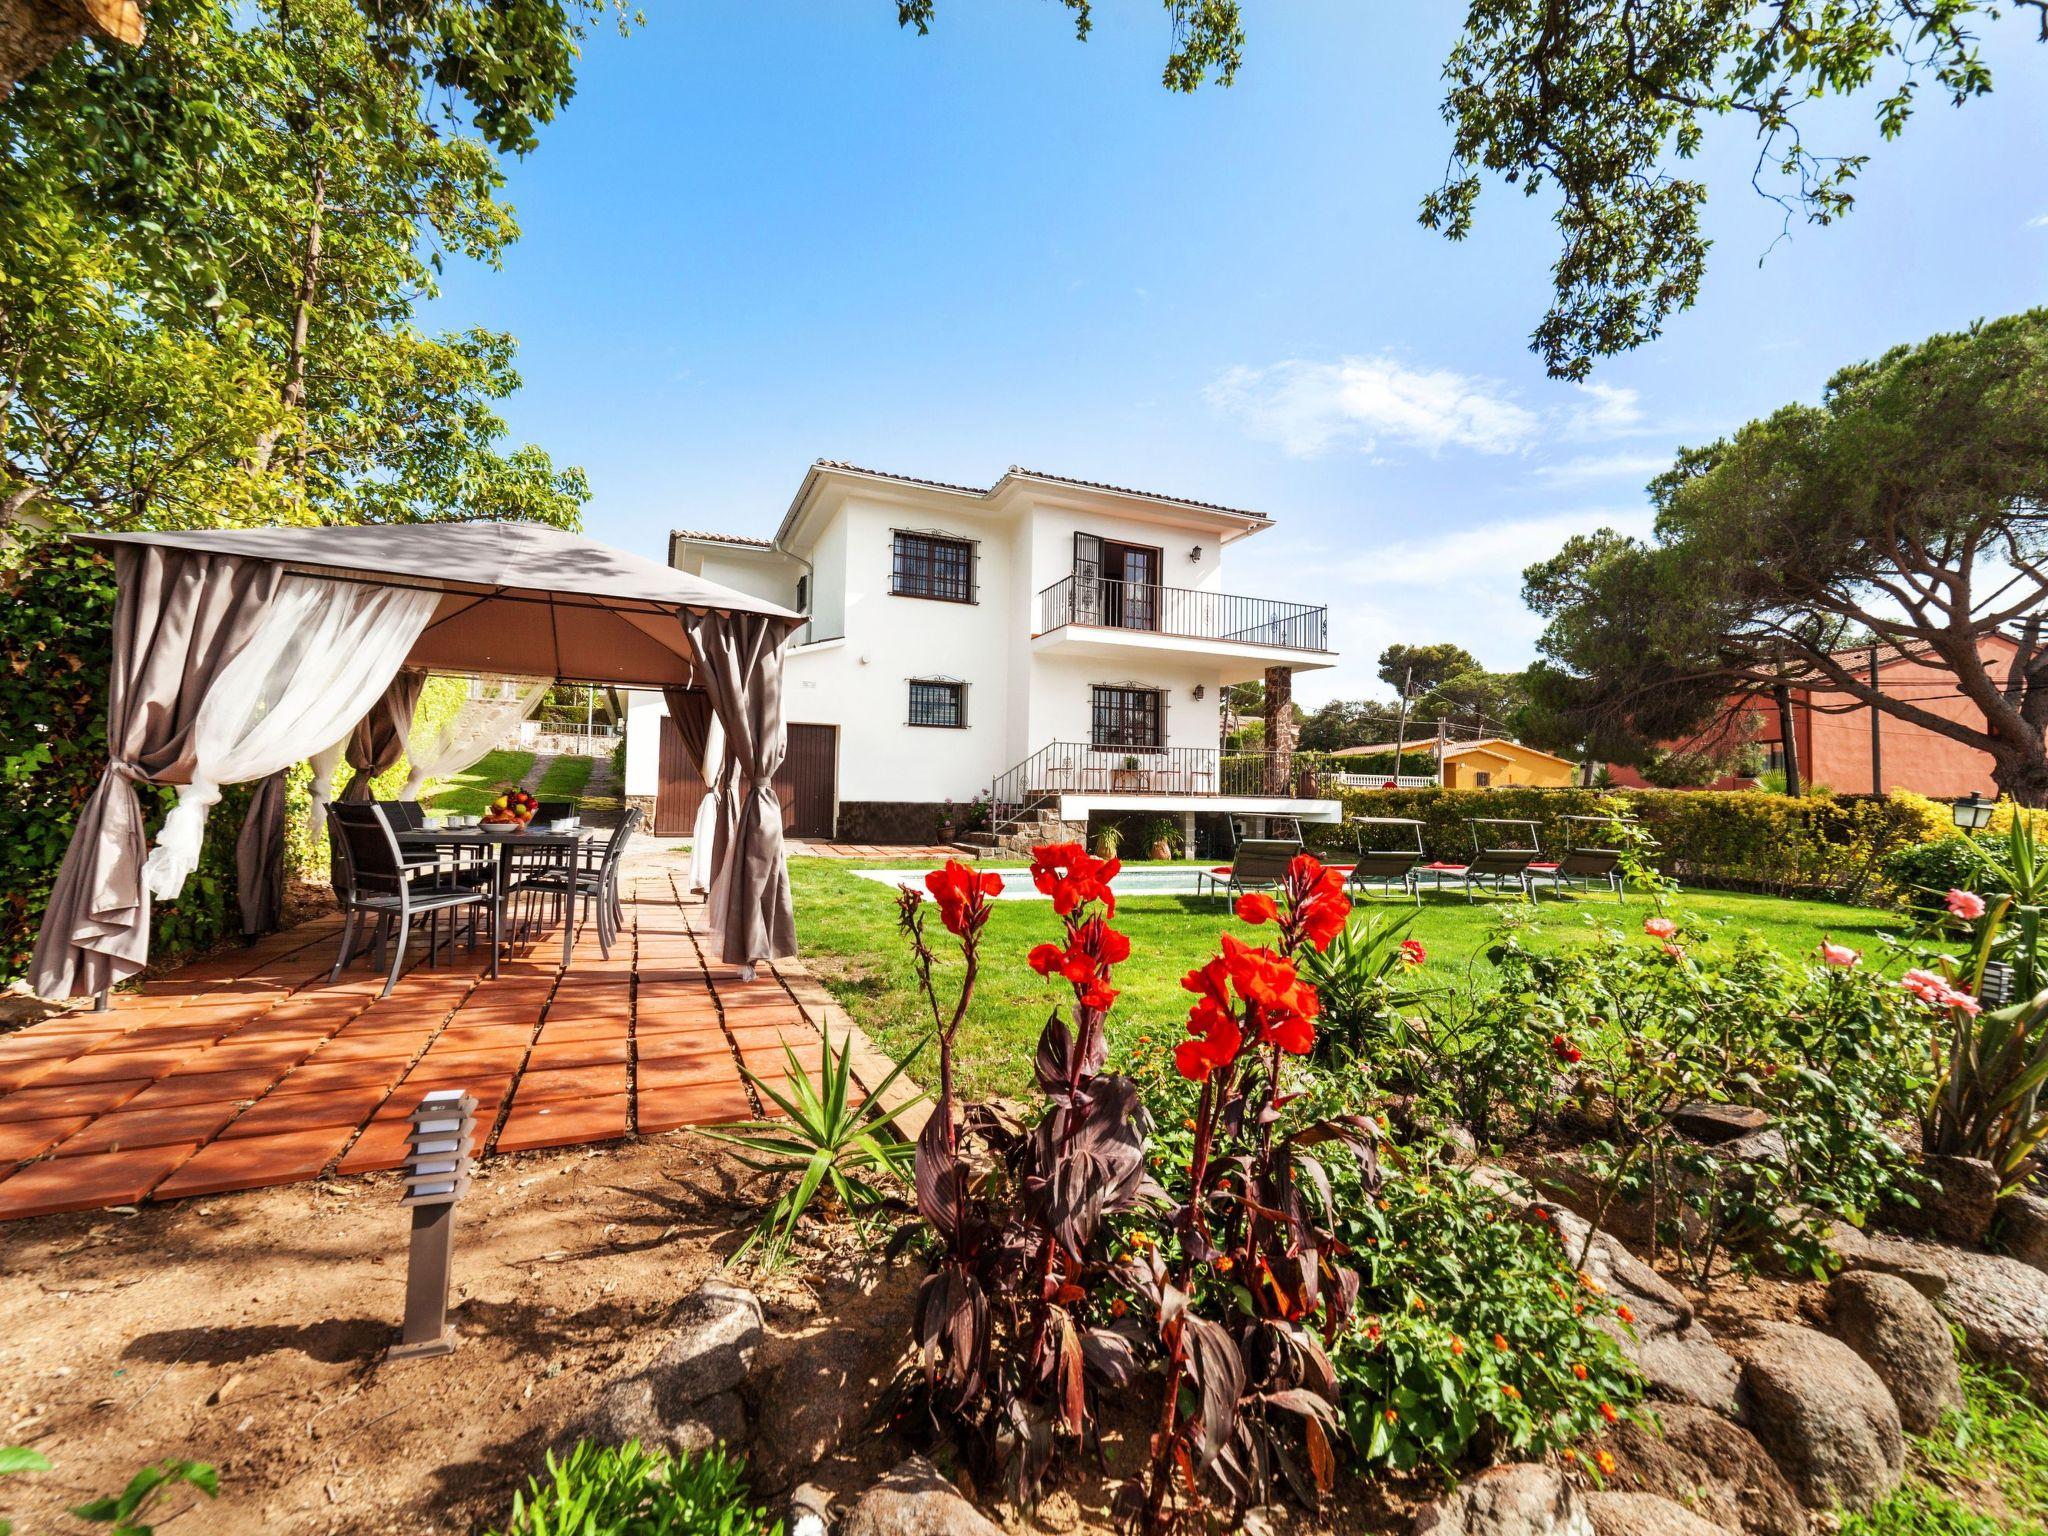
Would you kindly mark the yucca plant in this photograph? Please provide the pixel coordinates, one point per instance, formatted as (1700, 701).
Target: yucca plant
(827, 1140)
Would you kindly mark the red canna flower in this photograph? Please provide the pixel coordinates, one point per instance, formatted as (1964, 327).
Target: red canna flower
(1316, 900)
(1413, 952)
(1045, 958)
(963, 896)
(1072, 877)
(1256, 907)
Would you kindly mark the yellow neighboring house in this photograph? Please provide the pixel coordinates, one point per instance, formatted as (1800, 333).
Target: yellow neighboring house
(1493, 762)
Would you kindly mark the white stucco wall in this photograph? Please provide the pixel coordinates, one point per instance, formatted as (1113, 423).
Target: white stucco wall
(869, 644)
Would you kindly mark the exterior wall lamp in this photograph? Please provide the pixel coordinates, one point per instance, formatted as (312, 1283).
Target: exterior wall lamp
(1972, 812)
(1195, 555)
(1200, 689)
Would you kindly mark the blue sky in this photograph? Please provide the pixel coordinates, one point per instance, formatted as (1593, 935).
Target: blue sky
(768, 233)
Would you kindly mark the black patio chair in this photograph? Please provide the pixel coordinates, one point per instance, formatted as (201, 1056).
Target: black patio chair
(586, 888)
(546, 811)
(1582, 862)
(1256, 864)
(1503, 848)
(380, 883)
(1379, 860)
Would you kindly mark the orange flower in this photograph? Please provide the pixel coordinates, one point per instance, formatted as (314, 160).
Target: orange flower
(1457, 1345)
(1607, 1412)
(1508, 1390)
(1118, 1306)
(1579, 1371)
(1624, 1313)
(1392, 1416)
(1500, 1342)
(1606, 1461)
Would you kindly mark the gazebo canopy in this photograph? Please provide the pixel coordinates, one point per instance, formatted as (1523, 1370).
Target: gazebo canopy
(516, 597)
(237, 652)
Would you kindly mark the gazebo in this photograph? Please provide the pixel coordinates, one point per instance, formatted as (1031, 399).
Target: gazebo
(239, 652)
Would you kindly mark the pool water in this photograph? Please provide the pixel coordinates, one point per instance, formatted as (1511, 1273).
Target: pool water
(1160, 880)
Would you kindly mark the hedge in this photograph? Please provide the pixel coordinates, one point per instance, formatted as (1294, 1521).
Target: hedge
(1820, 845)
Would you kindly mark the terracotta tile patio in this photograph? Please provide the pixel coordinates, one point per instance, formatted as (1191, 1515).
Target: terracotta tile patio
(249, 1069)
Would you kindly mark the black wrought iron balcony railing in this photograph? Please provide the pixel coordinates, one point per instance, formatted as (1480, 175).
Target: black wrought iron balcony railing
(1183, 612)
(1110, 768)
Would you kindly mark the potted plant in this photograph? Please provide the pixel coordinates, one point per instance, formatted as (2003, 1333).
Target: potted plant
(1163, 839)
(1126, 776)
(946, 821)
(1109, 837)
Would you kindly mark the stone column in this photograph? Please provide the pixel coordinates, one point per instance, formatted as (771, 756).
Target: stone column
(1281, 731)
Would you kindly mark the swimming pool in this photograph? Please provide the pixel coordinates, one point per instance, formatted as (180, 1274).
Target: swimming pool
(1144, 880)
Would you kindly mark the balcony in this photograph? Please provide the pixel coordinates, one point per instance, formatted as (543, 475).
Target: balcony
(1142, 615)
(1077, 776)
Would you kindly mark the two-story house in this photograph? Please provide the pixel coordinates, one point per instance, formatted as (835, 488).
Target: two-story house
(1059, 645)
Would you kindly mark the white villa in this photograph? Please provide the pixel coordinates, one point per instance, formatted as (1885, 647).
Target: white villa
(1057, 645)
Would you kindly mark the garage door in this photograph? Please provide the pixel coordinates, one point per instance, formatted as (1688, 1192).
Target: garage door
(806, 784)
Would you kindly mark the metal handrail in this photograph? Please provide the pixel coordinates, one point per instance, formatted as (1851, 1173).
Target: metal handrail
(1087, 767)
(1183, 612)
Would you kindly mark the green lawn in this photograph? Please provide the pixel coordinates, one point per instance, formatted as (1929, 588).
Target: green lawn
(846, 928)
(1983, 1472)
(565, 777)
(469, 792)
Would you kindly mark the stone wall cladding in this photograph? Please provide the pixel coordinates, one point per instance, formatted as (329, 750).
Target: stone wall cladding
(892, 821)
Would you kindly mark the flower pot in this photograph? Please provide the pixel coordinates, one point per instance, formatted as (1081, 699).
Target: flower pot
(1162, 849)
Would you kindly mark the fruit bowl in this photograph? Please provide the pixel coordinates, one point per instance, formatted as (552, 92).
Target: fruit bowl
(512, 807)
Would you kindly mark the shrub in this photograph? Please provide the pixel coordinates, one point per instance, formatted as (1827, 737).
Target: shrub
(1475, 1340)
(626, 1491)
(1835, 844)
(1363, 979)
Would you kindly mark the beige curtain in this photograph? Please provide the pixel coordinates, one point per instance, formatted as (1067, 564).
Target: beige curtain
(704, 744)
(259, 859)
(739, 662)
(180, 618)
(378, 741)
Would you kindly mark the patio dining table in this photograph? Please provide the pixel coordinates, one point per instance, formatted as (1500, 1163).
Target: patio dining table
(567, 848)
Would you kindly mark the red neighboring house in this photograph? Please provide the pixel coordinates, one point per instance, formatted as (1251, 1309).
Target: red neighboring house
(1834, 739)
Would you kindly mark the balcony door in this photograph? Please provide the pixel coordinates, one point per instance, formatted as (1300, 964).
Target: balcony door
(1116, 584)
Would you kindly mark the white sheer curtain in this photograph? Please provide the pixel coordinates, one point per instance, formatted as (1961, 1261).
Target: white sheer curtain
(480, 724)
(324, 762)
(705, 830)
(325, 652)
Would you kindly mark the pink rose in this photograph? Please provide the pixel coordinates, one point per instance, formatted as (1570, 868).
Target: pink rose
(1967, 905)
(1659, 927)
(1841, 954)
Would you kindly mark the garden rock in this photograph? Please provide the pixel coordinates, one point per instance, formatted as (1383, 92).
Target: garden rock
(810, 1510)
(1824, 1415)
(2023, 1229)
(1677, 1355)
(823, 1387)
(1523, 1499)
(1765, 1146)
(686, 1399)
(1958, 1209)
(2001, 1303)
(1712, 1466)
(1645, 1514)
(914, 1500)
(1716, 1123)
(1904, 1340)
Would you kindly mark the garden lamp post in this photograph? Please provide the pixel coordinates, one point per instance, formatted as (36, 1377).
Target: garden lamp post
(1972, 813)
(436, 1177)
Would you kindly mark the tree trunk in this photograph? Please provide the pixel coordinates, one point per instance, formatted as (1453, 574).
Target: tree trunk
(2020, 773)
(293, 393)
(33, 32)
(1788, 741)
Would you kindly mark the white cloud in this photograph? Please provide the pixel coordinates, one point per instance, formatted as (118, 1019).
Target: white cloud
(1613, 466)
(1603, 410)
(1369, 403)
(1463, 586)
(2038, 221)
(1362, 402)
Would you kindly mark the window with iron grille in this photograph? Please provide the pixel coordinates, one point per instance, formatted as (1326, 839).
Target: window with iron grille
(1127, 717)
(938, 702)
(931, 565)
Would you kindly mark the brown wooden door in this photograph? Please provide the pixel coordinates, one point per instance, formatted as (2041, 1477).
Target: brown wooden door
(806, 784)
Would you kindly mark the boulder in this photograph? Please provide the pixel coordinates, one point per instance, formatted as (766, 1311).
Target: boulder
(1904, 1340)
(1957, 1206)
(1522, 1499)
(1713, 1466)
(2023, 1229)
(810, 1510)
(686, 1399)
(1824, 1416)
(1645, 1514)
(914, 1500)
(2001, 1303)
(1677, 1355)
(824, 1386)
(1716, 1123)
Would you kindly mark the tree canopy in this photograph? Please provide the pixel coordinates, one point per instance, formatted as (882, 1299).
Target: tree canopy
(1905, 511)
(220, 328)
